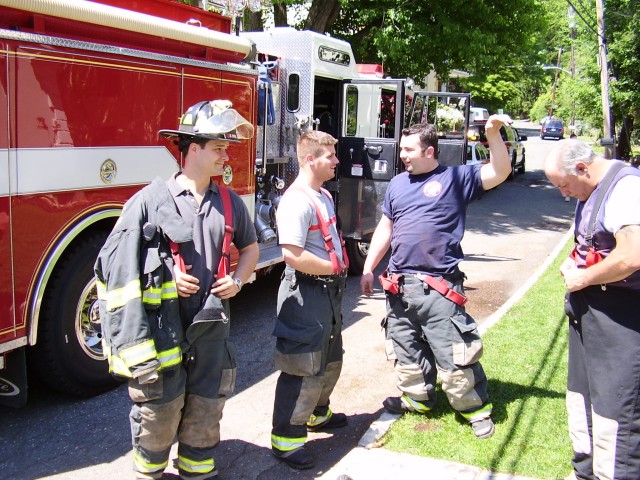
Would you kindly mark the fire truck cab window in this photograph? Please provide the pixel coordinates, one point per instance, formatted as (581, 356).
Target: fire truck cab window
(387, 114)
(293, 92)
(351, 124)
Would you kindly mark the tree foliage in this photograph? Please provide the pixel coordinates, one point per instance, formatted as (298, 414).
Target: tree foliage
(579, 96)
(502, 45)
(413, 37)
(622, 22)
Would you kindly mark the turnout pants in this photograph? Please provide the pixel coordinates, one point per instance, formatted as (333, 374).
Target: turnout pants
(428, 335)
(186, 401)
(603, 399)
(308, 354)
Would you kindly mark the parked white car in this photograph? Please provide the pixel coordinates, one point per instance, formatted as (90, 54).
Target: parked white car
(478, 113)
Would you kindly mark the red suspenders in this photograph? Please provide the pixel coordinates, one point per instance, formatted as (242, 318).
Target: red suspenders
(323, 226)
(224, 266)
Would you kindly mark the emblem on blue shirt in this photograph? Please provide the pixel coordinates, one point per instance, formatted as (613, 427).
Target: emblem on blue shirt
(432, 189)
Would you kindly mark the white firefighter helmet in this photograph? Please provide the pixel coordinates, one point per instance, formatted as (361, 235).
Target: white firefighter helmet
(212, 120)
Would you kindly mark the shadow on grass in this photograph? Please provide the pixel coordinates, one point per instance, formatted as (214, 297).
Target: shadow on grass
(539, 387)
(528, 410)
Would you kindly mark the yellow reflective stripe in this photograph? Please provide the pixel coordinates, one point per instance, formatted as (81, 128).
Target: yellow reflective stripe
(121, 296)
(417, 406)
(102, 290)
(147, 467)
(195, 466)
(286, 444)
(314, 420)
(117, 366)
(139, 353)
(169, 290)
(484, 412)
(152, 296)
(170, 358)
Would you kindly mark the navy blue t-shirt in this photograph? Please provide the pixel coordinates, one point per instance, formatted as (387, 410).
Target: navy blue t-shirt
(428, 212)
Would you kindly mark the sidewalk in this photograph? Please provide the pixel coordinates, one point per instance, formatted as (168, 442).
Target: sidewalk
(381, 464)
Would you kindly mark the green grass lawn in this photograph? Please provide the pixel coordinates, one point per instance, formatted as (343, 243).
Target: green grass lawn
(525, 360)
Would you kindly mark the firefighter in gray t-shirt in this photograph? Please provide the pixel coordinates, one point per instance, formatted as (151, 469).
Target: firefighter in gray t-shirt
(309, 323)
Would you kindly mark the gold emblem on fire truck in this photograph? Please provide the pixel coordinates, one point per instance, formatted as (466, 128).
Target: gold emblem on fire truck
(227, 176)
(108, 171)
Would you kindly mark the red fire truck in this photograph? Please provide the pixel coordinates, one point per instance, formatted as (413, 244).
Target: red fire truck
(85, 87)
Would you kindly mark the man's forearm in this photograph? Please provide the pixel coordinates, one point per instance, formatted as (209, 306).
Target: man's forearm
(379, 245)
(247, 262)
(305, 261)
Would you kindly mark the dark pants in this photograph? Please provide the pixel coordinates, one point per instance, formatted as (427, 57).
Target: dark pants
(186, 401)
(603, 400)
(308, 353)
(432, 335)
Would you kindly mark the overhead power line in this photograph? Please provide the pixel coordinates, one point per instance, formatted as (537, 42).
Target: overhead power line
(586, 12)
(588, 25)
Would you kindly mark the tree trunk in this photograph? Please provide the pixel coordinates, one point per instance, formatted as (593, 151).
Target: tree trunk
(280, 15)
(322, 14)
(624, 143)
(253, 21)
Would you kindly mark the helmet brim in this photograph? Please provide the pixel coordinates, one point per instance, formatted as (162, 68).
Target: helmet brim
(177, 134)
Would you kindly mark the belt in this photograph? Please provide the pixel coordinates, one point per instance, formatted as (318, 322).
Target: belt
(441, 286)
(391, 283)
(322, 278)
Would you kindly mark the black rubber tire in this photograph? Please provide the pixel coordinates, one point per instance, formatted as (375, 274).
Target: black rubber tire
(512, 174)
(68, 355)
(357, 253)
(522, 167)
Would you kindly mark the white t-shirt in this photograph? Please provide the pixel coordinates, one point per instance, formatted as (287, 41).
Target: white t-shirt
(623, 206)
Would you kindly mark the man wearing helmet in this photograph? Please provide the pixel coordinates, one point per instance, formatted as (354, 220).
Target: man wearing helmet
(164, 284)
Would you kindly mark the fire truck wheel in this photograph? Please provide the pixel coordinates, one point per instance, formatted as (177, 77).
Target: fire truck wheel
(357, 252)
(68, 355)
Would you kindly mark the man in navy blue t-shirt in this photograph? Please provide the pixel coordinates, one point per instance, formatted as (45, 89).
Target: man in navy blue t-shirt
(423, 220)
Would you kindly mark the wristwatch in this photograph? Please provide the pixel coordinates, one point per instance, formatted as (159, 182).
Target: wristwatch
(238, 283)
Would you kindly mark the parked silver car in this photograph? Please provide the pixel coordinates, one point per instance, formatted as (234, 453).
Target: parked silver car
(476, 153)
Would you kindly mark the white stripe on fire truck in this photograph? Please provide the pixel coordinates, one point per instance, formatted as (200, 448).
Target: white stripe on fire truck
(45, 170)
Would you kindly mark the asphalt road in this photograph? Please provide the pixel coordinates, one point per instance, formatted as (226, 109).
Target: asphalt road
(510, 232)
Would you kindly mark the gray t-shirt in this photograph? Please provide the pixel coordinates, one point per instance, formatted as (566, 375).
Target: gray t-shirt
(298, 221)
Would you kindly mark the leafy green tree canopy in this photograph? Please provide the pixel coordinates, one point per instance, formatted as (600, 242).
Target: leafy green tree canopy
(412, 38)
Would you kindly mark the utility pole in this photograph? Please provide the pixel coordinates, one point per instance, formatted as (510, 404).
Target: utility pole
(609, 127)
(572, 67)
(555, 83)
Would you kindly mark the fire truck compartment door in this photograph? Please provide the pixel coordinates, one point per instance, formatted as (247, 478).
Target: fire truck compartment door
(368, 158)
(7, 312)
(366, 166)
(373, 115)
